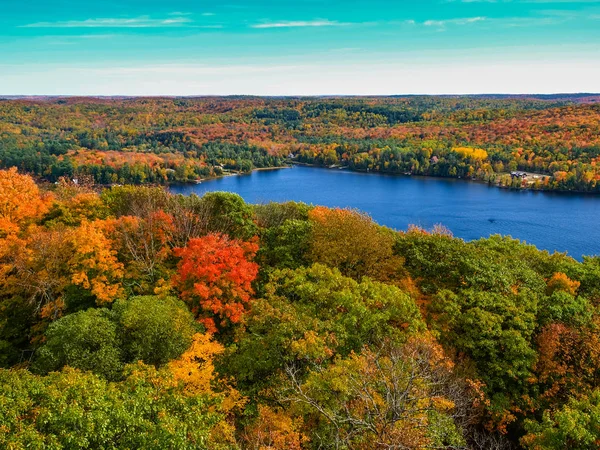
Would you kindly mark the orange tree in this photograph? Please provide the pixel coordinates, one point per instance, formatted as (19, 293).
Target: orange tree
(215, 277)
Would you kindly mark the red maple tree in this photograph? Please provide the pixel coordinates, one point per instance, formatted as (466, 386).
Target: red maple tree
(215, 277)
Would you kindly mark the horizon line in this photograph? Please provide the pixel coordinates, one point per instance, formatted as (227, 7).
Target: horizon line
(575, 93)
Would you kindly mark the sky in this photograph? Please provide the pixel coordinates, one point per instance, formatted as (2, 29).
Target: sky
(300, 47)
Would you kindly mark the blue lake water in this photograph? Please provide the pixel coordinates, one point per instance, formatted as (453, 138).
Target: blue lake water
(550, 221)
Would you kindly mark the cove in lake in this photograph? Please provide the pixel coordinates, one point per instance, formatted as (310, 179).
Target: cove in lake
(550, 221)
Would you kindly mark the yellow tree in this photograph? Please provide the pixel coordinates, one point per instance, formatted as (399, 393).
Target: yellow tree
(274, 429)
(353, 243)
(195, 372)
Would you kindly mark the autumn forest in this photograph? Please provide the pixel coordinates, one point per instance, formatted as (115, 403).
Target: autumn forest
(554, 138)
(134, 318)
(131, 317)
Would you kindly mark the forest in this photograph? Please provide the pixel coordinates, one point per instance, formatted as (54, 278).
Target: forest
(131, 317)
(554, 139)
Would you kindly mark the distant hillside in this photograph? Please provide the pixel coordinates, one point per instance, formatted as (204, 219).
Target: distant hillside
(554, 138)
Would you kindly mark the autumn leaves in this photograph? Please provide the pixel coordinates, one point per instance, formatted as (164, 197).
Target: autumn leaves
(136, 318)
(215, 277)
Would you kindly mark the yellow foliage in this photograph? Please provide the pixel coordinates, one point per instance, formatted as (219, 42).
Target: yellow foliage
(311, 346)
(42, 263)
(352, 242)
(196, 370)
(473, 153)
(195, 367)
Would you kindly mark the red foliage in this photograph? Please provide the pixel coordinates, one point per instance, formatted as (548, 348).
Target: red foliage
(215, 277)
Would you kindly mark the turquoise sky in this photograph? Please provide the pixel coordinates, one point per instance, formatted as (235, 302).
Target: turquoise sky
(280, 47)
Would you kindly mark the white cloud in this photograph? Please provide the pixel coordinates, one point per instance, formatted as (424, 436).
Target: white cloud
(136, 22)
(178, 70)
(299, 24)
(443, 23)
(90, 36)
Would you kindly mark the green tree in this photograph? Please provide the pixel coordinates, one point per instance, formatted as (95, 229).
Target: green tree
(312, 314)
(75, 410)
(495, 331)
(228, 213)
(86, 340)
(275, 214)
(154, 329)
(574, 426)
(286, 245)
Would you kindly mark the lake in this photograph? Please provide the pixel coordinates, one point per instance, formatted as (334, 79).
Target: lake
(551, 221)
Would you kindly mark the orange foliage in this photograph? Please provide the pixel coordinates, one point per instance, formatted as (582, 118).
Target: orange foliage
(20, 201)
(561, 282)
(144, 243)
(45, 262)
(94, 263)
(117, 159)
(215, 276)
(568, 359)
(274, 430)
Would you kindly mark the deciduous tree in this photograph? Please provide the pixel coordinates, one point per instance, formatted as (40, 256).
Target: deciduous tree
(215, 277)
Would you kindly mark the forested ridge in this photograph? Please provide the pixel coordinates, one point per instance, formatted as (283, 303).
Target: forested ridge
(134, 318)
(162, 140)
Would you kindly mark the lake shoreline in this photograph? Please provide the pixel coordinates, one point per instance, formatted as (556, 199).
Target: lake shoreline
(364, 172)
(433, 177)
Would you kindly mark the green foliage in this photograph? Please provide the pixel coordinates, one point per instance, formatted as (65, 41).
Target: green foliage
(16, 320)
(228, 213)
(134, 201)
(151, 329)
(589, 274)
(489, 299)
(154, 329)
(86, 340)
(494, 330)
(72, 409)
(330, 355)
(562, 307)
(445, 262)
(285, 246)
(309, 315)
(72, 213)
(575, 426)
(276, 214)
